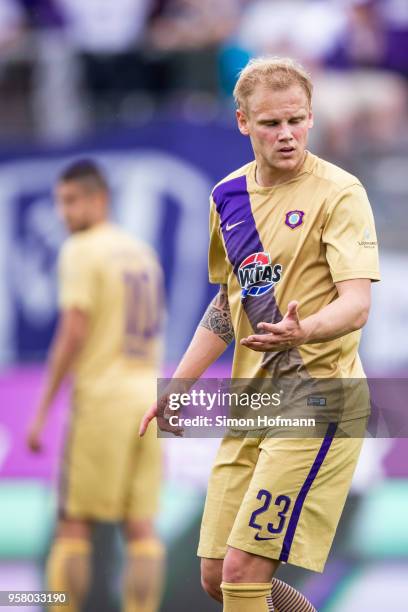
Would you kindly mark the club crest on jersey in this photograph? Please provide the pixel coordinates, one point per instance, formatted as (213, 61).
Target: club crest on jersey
(257, 275)
(294, 218)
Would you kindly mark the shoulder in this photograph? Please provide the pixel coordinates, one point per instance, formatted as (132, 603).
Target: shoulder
(126, 239)
(236, 180)
(332, 177)
(83, 246)
(136, 248)
(73, 247)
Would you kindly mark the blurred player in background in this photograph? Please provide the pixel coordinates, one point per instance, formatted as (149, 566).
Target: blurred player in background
(109, 336)
(309, 226)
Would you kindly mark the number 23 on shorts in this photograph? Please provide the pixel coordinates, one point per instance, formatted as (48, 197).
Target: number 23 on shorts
(283, 502)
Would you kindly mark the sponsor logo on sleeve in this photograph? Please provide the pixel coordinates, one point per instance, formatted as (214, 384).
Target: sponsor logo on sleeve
(366, 242)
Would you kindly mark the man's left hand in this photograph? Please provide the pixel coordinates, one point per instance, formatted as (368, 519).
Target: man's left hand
(280, 336)
(34, 436)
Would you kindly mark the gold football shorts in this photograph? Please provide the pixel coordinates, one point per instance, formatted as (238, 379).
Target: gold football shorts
(280, 498)
(108, 472)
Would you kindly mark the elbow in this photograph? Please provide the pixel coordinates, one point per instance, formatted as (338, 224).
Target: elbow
(77, 343)
(361, 318)
(79, 335)
(73, 340)
(74, 329)
(72, 345)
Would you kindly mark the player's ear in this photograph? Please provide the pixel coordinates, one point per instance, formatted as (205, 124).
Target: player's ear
(242, 122)
(311, 119)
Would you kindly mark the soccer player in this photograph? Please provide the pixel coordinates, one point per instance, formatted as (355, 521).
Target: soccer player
(309, 226)
(109, 336)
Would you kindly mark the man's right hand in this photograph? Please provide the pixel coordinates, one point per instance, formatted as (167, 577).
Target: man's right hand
(161, 411)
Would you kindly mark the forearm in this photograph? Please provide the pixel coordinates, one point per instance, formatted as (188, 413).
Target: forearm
(213, 335)
(204, 349)
(59, 363)
(342, 316)
(61, 357)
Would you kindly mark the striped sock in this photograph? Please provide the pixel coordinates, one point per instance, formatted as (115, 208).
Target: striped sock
(269, 603)
(288, 599)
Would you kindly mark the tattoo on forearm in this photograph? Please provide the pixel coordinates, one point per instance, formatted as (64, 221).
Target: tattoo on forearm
(217, 317)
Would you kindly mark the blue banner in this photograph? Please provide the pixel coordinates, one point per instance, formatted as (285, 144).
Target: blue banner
(161, 176)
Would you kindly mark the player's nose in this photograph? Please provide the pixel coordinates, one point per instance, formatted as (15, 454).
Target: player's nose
(285, 132)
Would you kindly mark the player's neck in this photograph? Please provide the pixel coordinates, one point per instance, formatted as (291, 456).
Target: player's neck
(265, 176)
(98, 221)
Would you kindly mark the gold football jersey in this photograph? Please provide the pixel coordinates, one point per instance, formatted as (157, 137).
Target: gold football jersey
(293, 241)
(118, 282)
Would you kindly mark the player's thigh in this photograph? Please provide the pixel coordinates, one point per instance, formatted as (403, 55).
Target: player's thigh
(230, 476)
(293, 504)
(99, 452)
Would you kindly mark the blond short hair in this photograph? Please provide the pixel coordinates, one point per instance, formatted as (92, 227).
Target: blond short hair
(274, 72)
